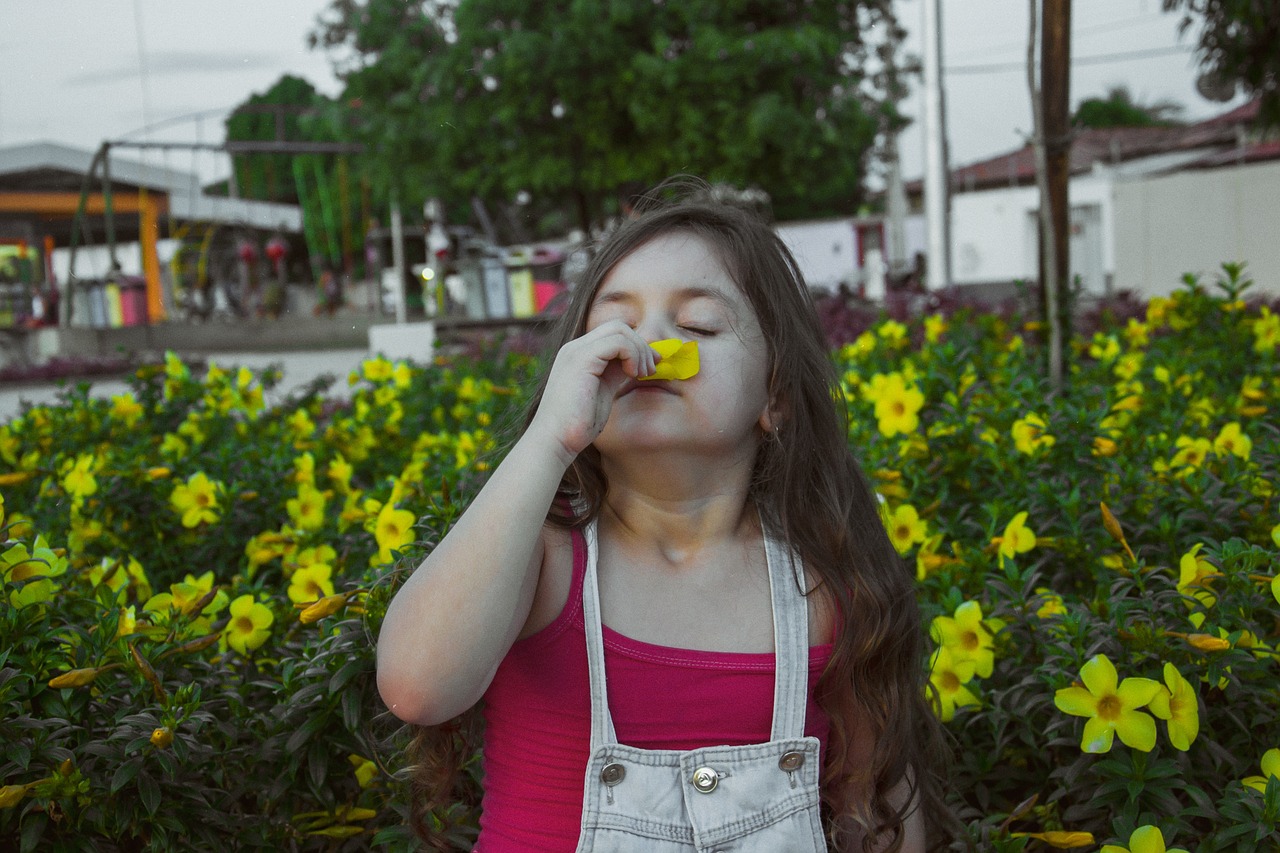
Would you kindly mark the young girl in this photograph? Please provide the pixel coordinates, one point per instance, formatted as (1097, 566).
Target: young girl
(675, 596)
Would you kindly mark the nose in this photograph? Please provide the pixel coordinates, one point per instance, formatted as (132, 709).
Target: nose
(655, 326)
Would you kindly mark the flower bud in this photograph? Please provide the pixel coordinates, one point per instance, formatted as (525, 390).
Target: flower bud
(326, 606)
(11, 795)
(1207, 643)
(74, 678)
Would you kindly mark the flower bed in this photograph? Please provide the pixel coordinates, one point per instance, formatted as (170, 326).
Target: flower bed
(195, 582)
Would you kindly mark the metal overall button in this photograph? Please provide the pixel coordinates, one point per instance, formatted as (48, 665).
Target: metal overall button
(705, 780)
(791, 761)
(612, 774)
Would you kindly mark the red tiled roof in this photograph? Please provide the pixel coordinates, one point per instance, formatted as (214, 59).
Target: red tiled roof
(1114, 145)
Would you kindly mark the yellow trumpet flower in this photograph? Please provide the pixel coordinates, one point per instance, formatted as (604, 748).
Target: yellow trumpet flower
(679, 359)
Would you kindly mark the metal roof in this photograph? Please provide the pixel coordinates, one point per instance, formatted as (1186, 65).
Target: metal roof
(53, 167)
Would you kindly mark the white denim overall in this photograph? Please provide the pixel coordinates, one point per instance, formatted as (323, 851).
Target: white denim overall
(748, 799)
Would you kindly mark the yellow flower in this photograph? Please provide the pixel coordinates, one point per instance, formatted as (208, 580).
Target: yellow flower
(377, 369)
(1177, 703)
(125, 408)
(1266, 331)
(897, 404)
(905, 527)
(1128, 366)
(1158, 311)
(949, 677)
(1029, 434)
(173, 446)
(307, 509)
(1017, 537)
(1111, 708)
(1195, 577)
(310, 583)
(679, 359)
(250, 624)
(1051, 604)
(928, 560)
(366, 770)
(934, 327)
(1191, 452)
(1103, 446)
(1135, 332)
(1145, 839)
(196, 500)
(162, 737)
(892, 332)
(128, 623)
(1232, 440)
(35, 569)
(393, 531)
(1104, 347)
(1058, 839)
(340, 471)
(304, 469)
(1270, 767)
(967, 636)
(78, 478)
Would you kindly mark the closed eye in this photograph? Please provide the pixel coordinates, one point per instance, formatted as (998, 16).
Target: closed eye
(696, 330)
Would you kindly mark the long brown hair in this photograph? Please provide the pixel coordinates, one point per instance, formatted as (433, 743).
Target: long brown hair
(810, 491)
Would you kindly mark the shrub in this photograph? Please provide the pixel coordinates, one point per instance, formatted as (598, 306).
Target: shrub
(195, 581)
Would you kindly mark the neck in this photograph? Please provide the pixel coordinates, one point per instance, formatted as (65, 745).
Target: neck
(676, 506)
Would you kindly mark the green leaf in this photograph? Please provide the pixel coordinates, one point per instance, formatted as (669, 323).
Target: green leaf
(125, 773)
(149, 793)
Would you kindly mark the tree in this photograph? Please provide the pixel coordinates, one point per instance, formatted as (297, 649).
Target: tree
(292, 111)
(1239, 45)
(1119, 109)
(575, 101)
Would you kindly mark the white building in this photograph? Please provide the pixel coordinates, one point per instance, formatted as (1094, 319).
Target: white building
(1148, 204)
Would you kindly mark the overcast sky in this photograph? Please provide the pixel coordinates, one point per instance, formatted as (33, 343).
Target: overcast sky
(79, 71)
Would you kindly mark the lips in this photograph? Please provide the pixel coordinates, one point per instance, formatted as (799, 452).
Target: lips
(646, 386)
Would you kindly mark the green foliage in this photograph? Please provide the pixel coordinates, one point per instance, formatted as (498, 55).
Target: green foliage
(177, 719)
(576, 103)
(1239, 43)
(1118, 109)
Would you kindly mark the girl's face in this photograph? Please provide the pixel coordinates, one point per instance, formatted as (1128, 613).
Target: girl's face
(675, 287)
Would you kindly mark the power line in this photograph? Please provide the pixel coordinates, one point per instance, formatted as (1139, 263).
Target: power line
(1096, 59)
(1105, 26)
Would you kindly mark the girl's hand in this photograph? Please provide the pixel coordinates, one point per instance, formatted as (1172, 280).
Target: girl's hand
(586, 376)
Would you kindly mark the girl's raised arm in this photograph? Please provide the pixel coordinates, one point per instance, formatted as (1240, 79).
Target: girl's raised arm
(451, 624)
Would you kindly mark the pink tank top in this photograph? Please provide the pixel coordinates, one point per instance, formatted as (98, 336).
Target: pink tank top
(538, 718)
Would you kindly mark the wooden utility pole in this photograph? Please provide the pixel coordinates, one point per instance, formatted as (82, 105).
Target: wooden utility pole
(1050, 101)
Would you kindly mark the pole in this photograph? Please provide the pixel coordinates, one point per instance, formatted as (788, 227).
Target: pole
(936, 190)
(1055, 79)
(397, 255)
(108, 220)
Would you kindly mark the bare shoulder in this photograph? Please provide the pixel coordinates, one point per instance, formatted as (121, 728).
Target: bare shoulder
(554, 580)
(822, 615)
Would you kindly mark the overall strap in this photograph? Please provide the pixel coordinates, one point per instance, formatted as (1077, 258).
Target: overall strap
(790, 640)
(602, 731)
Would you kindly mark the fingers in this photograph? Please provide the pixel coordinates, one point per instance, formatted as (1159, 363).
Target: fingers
(615, 341)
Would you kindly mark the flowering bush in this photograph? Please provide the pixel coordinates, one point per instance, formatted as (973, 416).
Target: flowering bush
(194, 581)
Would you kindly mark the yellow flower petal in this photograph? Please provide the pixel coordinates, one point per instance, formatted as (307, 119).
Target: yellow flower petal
(679, 359)
(1099, 675)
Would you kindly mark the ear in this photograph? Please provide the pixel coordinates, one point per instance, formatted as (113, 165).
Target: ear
(773, 417)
